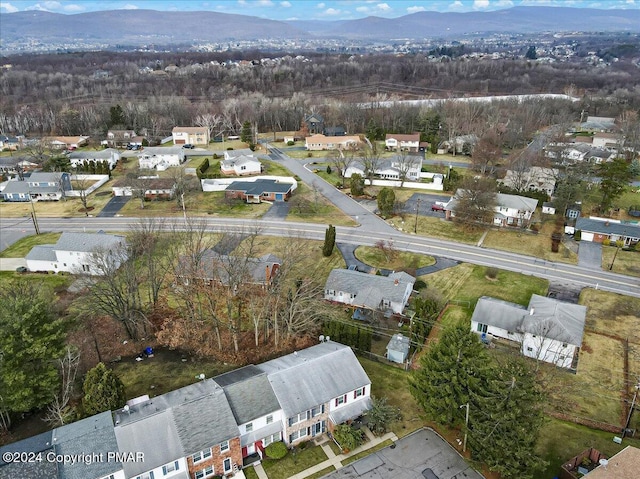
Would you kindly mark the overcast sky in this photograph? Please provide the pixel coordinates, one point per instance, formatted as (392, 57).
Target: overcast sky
(304, 9)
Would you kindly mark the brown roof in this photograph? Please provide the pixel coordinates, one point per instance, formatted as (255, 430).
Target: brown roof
(189, 129)
(412, 137)
(624, 465)
(610, 136)
(583, 139)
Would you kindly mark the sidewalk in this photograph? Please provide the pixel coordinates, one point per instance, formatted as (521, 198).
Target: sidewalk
(333, 459)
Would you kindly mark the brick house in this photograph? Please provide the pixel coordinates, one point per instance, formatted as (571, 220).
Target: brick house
(259, 190)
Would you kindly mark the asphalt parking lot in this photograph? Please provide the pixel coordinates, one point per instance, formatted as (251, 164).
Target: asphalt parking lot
(426, 201)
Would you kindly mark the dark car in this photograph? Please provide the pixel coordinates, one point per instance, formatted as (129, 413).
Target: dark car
(188, 146)
(21, 269)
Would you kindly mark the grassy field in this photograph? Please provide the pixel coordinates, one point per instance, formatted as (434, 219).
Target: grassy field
(626, 262)
(164, 372)
(294, 462)
(437, 228)
(401, 260)
(56, 282)
(310, 207)
(20, 248)
(466, 283)
(529, 244)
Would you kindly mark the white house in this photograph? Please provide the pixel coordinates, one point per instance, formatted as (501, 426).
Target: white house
(397, 168)
(394, 141)
(606, 140)
(321, 142)
(73, 253)
(388, 294)
(548, 330)
(535, 178)
(161, 158)
(68, 142)
(193, 135)
(398, 348)
(240, 164)
(39, 186)
(510, 210)
(110, 155)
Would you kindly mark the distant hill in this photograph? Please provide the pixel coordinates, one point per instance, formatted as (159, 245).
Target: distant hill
(139, 27)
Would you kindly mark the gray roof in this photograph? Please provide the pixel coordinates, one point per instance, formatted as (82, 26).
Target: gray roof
(105, 154)
(29, 470)
(41, 176)
(16, 186)
(218, 266)
(314, 376)
(369, 289)
(550, 318)
(498, 313)
(399, 343)
(87, 242)
(608, 227)
(260, 186)
(251, 398)
(517, 202)
(161, 150)
(45, 252)
(351, 411)
(239, 161)
(91, 435)
(558, 320)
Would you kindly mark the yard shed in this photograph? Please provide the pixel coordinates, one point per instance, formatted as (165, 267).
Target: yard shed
(398, 348)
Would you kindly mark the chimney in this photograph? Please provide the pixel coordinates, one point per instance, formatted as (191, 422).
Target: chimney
(396, 282)
(531, 311)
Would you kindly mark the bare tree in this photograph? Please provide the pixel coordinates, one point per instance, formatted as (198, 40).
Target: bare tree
(487, 153)
(475, 201)
(405, 162)
(59, 412)
(371, 161)
(342, 161)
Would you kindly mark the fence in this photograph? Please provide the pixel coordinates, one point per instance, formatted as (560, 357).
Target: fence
(98, 180)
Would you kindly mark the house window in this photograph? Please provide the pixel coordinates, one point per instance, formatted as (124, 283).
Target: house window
(316, 411)
(529, 348)
(224, 446)
(227, 465)
(270, 439)
(243, 167)
(561, 358)
(110, 476)
(146, 475)
(172, 466)
(358, 392)
(298, 418)
(206, 472)
(201, 456)
(564, 345)
(269, 419)
(341, 400)
(482, 328)
(248, 427)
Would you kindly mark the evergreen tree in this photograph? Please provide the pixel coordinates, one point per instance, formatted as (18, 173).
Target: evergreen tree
(357, 185)
(450, 372)
(103, 390)
(615, 177)
(381, 415)
(505, 422)
(329, 241)
(386, 201)
(246, 134)
(531, 53)
(31, 340)
(116, 116)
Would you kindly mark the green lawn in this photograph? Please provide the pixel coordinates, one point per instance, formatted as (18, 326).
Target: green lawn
(250, 473)
(20, 248)
(466, 283)
(57, 282)
(438, 228)
(294, 462)
(395, 261)
(625, 262)
(274, 169)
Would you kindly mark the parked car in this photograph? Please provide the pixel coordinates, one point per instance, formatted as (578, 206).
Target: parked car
(437, 207)
(188, 146)
(21, 269)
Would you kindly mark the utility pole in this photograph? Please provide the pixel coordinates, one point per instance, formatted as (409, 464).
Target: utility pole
(415, 226)
(184, 209)
(466, 427)
(633, 403)
(624, 234)
(33, 215)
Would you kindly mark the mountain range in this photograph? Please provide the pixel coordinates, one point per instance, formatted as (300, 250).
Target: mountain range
(139, 27)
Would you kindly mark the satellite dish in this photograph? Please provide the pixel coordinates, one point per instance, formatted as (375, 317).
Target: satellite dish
(321, 338)
(327, 338)
(200, 376)
(603, 462)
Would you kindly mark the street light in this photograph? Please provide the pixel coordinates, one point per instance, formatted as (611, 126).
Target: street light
(466, 427)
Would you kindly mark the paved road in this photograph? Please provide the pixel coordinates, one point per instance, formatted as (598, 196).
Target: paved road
(366, 235)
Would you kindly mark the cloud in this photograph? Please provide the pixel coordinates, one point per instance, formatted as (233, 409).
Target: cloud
(415, 9)
(457, 5)
(285, 4)
(8, 8)
(480, 4)
(129, 6)
(504, 3)
(332, 11)
(383, 7)
(265, 3)
(363, 9)
(45, 6)
(321, 5)
(73, 8)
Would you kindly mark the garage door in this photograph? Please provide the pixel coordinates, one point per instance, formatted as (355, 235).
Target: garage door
(180, 142)
(587, 236)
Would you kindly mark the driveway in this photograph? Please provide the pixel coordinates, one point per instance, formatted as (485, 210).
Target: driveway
(278, 211)
(114, 205)
(426, 201)
(590, 255)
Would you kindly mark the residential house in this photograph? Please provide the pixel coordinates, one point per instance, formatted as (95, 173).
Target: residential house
(255, 408)
(606, 140)
(66, 142)
(314, 124)
(16, 165)
(155, 188)
(318, 388)
(186, 433)
(259, 190)
(388, 294)
(548, 330)
(510, 210)
(91, 441)
(598, 123)
(319, 142)
(38, 187)
(122, 139)
(190, 135)
(398, 348)
(334, 131)
(535, 178)
(599, 155)
(240, 164)
(548, 208)
(460, 144)
(161, 158)
(623, 465)
(599, 229)
(80, 158)
(213, 266)
(10, 143)
(394, 141)
(573, 211)
(73, 253)
(399, 168)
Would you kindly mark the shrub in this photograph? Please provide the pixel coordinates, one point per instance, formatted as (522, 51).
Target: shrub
(328, 169)
(290, 143)
(606, 242)
(276, 450)
(491, 272)
(419, 284)
(230, 148)
(309, 155)
(216, 156)
(348, 437)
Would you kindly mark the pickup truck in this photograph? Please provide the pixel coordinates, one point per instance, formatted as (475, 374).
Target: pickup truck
(438, 206)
